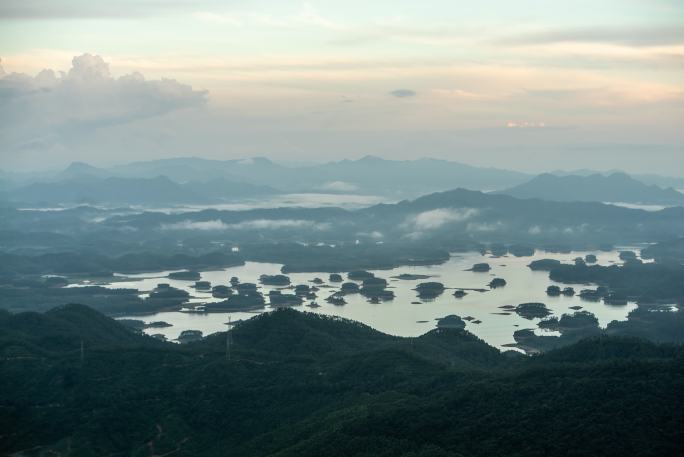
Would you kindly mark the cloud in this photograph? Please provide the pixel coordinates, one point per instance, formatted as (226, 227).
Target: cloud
(256, 224)
(436, 218)
(216, 224)
(625, 36)
(376, 235)
(52, 106)
(484, 227)
(340, 186)
(83, 9)
(403, 93)
(525, 125)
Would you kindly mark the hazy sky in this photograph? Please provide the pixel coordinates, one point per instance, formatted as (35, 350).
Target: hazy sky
(527, 84)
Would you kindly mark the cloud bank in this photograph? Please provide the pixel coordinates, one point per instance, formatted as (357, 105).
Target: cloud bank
(51, 106)
(403, 93)
(436, 218)
(340, 186)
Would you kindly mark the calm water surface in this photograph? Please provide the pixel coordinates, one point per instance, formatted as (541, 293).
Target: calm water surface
(401, 316)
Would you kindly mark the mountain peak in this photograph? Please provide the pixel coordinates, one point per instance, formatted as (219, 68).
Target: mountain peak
(371, 158)
(80, 167)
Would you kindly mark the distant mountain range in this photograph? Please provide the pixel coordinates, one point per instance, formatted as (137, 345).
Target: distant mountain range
(204, 181)
(616, 187)
(94, 189)
(369, 175)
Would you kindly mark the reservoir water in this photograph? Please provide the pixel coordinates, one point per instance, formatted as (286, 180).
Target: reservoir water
(403, 316)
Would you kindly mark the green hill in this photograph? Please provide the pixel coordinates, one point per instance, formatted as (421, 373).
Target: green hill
(300, 384)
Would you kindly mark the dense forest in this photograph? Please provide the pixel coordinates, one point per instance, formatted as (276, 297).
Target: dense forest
(74, 382)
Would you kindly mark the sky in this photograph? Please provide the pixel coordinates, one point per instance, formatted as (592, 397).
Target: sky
(532, 85)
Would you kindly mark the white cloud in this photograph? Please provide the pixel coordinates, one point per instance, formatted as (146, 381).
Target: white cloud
(256, 224)
(534, 230)
(525, 125)
(340, 186)
(376, 235)
(436, 218)
(51, 107)
(196, 225)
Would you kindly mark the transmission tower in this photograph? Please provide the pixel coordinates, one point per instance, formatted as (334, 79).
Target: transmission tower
(228, 339)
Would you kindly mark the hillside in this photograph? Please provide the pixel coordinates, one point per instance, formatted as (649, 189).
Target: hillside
(82, 187)
(87, 189)
(616, 187)
(299, 384)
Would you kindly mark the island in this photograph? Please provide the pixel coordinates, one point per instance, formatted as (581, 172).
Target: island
(185, 275)
(497, 282)
(221, 291)
(202, 285)
(350, 288)
(451, 321)
(411, 277)
(277, 298)
(274, 280)
(532, 310)
(360, 275)
(429, 290)
(553, 291)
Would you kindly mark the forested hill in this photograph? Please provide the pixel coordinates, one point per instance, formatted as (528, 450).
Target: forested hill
(616, 187)
(301, 384)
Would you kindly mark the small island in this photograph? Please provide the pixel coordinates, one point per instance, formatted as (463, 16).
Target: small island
(429, 290)
(336, 299)
(360, 275)
(451, 322)
(350, 288)
(480, 267)
(544, 264)
(553, 291)
(411, 277)
(202, 285)
(278, 299)
(497, 282)
(532, 310)
(221, 291)
(185, 275)
(274, 280)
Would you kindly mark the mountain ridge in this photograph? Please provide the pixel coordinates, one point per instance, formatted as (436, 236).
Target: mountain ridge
(616, 187)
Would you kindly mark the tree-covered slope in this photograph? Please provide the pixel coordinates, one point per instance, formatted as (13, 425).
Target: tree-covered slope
(300, 384)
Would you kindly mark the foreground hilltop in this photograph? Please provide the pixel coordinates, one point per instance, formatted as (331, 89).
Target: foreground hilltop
(300, 384)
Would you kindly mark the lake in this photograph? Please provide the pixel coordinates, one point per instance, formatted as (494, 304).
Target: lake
(401, 316)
